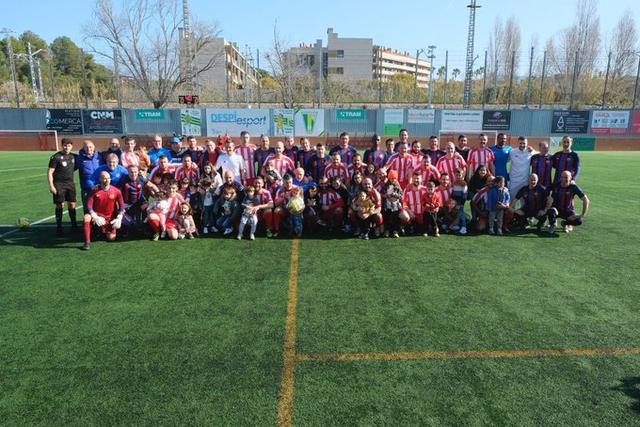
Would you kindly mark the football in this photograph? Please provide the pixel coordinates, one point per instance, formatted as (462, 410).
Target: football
(22, 222)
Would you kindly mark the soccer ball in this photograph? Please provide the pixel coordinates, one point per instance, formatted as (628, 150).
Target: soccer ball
(22, 222)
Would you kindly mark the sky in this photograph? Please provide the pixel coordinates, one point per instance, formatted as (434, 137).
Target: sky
(403, 25)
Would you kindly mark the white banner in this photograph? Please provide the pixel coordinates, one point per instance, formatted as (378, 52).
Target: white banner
(234, 121)
(191, 121)
(421, 116)
(283, 121)
(309, 122)
(461, 120)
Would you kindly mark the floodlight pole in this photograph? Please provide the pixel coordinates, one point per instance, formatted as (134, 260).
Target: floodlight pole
(431, 57)
(12, 66)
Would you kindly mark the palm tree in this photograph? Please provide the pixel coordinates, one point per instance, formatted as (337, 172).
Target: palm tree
(455, 73)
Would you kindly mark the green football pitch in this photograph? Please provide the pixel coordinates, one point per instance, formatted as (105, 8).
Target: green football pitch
(476, 330)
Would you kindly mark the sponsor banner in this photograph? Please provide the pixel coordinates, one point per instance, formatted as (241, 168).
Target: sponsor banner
(427, 115)
(635, 122)
(149, 114)
(581, 143)
(393, 121)
(234, 121)
(461, 120)
(570, 122)
(615, 122)
(107, 122)
(351, 114)
(309, 122)
(64, 121)
(283, 123)
(496, 120)
(191, 121)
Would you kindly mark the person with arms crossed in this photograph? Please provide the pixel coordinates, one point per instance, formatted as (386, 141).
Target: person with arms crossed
(61, 184)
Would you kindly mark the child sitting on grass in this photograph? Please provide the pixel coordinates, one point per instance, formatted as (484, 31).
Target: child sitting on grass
(185, 222)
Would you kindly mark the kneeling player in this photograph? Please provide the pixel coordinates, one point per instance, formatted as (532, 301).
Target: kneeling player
(101, 208)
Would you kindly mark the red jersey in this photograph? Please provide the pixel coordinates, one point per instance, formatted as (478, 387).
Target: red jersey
(247, 154)
(192, 173)
(402, 165)
(264, 196)
(129, 158)
(413, 198)
(171, 168)
(362, 168)
(331, 199)
(104, 201)
(284, 194)
(174, 205)
(444, 193)
(428, 173)
(283, 165)
(480, 156)
(449, 165)
(341, 170)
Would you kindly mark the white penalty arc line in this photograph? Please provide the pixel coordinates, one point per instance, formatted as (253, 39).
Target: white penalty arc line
(15, 230)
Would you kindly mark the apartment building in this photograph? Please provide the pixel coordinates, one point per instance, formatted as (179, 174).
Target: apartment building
(357, 59)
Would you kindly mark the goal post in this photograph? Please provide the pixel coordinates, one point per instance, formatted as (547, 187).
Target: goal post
(445, 136)
(29, 140)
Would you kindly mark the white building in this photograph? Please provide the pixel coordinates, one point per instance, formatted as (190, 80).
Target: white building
(357, 59)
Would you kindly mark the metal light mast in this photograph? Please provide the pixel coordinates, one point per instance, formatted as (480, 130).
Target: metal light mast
(468, 76)
(190, 66)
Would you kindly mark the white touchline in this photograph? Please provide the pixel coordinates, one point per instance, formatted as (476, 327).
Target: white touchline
(8, 233)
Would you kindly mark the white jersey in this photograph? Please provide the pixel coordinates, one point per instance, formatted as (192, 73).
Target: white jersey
(519, 171)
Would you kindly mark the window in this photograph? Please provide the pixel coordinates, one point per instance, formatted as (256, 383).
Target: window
(340, 53)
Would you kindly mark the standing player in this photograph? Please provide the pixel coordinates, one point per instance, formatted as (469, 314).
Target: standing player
(566, 160)
(403, 163)
(501, 156)
(344, 149)
(60, 177)
(434, 151)
(246, 150)
(261, 153)
(101, 207)
(481, 155)
(541, 164)
(316, 165)
(450, 161)
(282, 163)
(375, 155)
(520, 159)
(337, 168)
(230, 161)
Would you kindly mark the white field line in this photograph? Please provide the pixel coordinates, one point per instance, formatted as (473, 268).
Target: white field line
(16, 229)
(24, 169)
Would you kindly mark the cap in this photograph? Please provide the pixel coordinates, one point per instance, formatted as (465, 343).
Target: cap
(175, 140)
(392, 174)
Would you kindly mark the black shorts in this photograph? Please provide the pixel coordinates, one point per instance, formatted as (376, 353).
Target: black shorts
(65, 192)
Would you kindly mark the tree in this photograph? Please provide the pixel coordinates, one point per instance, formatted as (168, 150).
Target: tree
(283, 67)
(455, 73)
(624, 46)
(504, 40)
(146, 35)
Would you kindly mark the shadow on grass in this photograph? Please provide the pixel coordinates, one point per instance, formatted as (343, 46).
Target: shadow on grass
(631, 387)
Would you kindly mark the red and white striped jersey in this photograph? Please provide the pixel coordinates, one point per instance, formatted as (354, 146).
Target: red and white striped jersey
(247, 154)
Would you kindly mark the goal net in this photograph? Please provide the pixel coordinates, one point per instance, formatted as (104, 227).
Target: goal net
(445, 136)
(24, 140)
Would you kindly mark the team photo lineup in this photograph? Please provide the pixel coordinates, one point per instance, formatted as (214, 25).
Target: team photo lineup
(396, 188)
